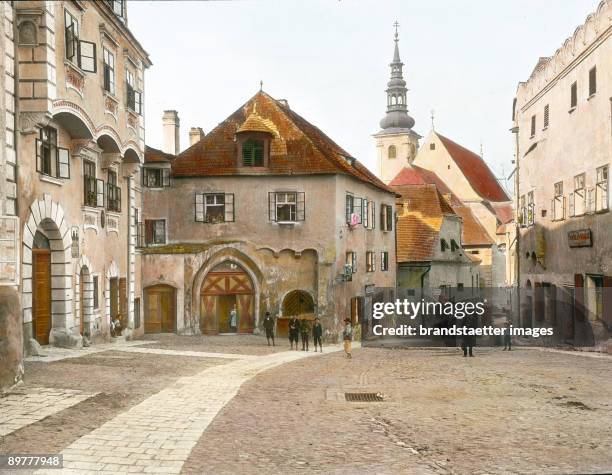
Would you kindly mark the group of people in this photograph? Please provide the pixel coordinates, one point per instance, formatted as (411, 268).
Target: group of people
(303, 328)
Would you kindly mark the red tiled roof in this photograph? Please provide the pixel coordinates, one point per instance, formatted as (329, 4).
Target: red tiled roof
(297, 148)
(419, 221)
(153, 155)
(475, 171)
(504, 212)
(472, 231)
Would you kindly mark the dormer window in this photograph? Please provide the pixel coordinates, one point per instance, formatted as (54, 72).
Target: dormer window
(253, 153)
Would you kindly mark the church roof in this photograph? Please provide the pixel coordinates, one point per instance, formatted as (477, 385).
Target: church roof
(475, 170)
(297, 147)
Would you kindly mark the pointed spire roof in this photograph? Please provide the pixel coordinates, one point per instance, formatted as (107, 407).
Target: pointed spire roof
(397, 118)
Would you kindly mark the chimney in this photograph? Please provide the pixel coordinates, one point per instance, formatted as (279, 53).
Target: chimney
(195, 135)
(171, 124)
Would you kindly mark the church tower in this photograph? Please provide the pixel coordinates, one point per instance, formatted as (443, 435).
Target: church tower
(396, 142)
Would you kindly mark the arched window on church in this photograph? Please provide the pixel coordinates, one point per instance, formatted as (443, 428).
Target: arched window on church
(392, 152)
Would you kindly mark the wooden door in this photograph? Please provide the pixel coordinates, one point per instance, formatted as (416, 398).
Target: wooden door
(160, 309)
(82, 301)
(123, 303)
(41, 295)
(244, 305)
(208, 314)
(114, 298)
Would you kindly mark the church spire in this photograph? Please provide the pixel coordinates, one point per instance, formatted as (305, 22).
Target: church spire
(397, 111)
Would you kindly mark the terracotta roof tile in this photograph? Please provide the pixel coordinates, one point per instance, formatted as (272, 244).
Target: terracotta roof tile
(297, 148)
(153, 155)
(504, 212)
(475, 171)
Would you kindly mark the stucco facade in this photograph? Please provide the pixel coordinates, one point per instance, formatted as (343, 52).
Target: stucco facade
(563, 124)
(80, 147)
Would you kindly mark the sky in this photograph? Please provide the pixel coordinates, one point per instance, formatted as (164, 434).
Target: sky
(330, 59)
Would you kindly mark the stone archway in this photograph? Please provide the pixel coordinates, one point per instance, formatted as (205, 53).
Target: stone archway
(51, 273)
(209, 262)
(294, 303)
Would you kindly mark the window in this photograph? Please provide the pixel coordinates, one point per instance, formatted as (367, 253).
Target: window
(354, 209)
(155, 231)
(134, 97)
(370, 262)
(113, 193)
(117, 6)
(392, 152)
(214, 208)
(386, 217)
(432, 146)
(578, 203)
(573, 95)
(109, 71)
(530, 209)
(601, 189)
(384, 261)
(443, 245)
(454, 246)
(96, 302)
(140, 241)
(94, 189)
(51, 160)
(286, 206)
(369, 215)
(253, 153)
(71, 35)
(592, 81)
(533, 125)
(156, 177)
(558, 203)
(546, 115)
(351, 260)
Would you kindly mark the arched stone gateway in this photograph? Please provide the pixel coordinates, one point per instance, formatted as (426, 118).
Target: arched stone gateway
(296, 302)
(47, 276)
(226, 287)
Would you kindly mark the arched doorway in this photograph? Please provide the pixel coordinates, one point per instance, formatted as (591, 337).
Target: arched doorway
(160, 309)
(225, 287)
(41, 288)
(296, 302)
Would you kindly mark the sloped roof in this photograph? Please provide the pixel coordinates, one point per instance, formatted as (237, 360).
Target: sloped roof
(418, 225)
(473, 232)
(153, 155)
(475, 170)
(504, 212)
(254, 123)
(297, 148)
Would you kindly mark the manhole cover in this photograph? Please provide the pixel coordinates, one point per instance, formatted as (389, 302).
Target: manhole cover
(364, 397)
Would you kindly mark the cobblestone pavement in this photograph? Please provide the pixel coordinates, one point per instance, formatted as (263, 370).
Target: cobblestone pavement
(220, 405)
(523, 411)
(21, 408)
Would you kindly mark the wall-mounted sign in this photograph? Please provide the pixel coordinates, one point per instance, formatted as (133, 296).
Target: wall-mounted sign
(580, 238)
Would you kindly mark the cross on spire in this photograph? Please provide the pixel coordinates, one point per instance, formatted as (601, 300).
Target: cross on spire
(261, 85)
(396, 25)
(433, 116)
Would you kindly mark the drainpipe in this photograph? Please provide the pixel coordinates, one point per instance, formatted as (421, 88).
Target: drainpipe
(515, 131)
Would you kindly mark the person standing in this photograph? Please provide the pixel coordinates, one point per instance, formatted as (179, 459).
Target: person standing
(507, 336)
(268, 324)
(317, 333)
(294, 331)
(347, 337)
(468, 340)
(305, 332)
(233, 319)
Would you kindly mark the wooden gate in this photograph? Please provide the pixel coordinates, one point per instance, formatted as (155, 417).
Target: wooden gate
(223, 281)
(160, 309)
(41, 295)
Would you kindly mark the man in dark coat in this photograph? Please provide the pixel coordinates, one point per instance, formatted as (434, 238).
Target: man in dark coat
(294, 331)
(305, 331)
(468, 341)
(268, 324)
(317, 333)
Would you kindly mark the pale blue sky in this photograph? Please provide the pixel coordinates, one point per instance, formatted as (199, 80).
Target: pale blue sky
(329, 59)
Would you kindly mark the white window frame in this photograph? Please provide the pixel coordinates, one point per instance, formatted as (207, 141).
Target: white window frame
(602, 199)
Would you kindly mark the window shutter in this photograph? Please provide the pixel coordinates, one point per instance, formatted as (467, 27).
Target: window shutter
(138, 102)
(229, 207)
(87, 56)
(70, 41)
(149, 230)
(63, 163)
(272, 206)
(118, 198)
(383, 221)
(349, 207)
(38, 156)
(107, 73)
(373, 223)
(301, 206)
(389, 218)
(199, 207)
(165, 177)
(100, 193)
(358, 209)
(592, 81)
